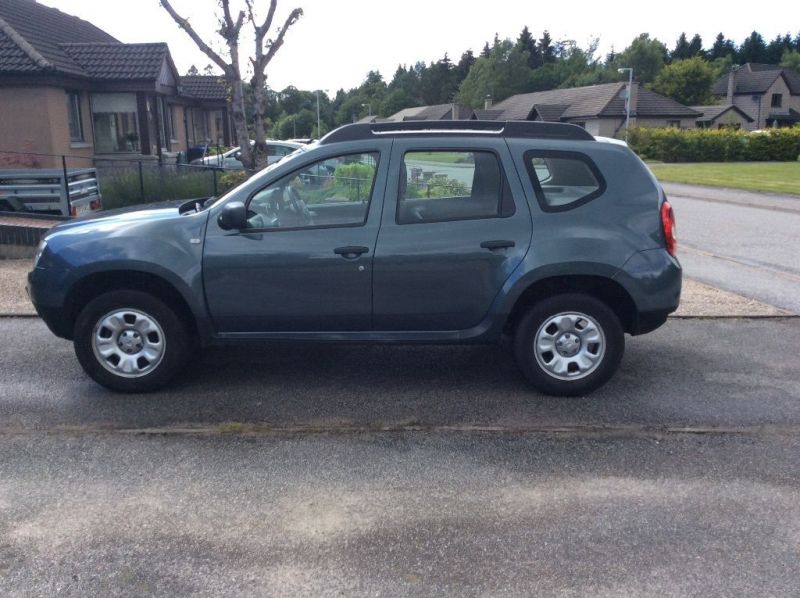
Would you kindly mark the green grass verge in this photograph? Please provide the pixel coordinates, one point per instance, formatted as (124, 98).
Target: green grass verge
(440, 157)
(773, 177)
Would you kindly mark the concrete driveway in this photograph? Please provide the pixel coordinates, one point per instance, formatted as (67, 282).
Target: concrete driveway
(344, 470)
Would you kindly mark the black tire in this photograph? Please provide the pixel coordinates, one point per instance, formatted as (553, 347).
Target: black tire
(612, 334)
(176, 341)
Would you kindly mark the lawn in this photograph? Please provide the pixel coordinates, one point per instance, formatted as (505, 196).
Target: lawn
(774, 177)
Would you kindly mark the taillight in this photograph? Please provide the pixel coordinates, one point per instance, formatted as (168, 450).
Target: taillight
(668, 225)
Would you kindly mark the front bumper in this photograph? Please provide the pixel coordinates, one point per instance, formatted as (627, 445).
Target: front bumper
(48, 300)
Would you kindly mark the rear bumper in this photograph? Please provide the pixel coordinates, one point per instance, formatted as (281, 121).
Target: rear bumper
(653, 278)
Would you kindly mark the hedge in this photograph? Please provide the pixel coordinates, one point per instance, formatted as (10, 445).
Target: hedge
(709, 145)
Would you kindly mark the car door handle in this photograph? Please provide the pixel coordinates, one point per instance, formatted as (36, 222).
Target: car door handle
(351, 251)
(499, 244)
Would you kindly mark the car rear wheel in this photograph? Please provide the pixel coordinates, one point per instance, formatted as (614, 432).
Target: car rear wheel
(130, 341)
(569, 345)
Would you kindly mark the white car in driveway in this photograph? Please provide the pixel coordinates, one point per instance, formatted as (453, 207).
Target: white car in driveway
(230, 160)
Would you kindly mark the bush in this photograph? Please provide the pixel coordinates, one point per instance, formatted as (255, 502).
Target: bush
(122, 187)
(229, 180)
(353, 180)
(709, 145)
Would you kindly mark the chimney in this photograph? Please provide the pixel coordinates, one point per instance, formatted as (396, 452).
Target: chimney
(731, 84)
(487, 102)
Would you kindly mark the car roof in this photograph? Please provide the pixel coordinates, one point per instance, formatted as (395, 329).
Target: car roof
(511, 128)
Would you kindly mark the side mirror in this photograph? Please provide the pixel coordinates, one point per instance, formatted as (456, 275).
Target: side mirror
(233, 216)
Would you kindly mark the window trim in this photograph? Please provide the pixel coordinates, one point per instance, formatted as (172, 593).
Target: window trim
(77, 96)
(563, 154)
(779, 102)
(320, 226)
(505, 187)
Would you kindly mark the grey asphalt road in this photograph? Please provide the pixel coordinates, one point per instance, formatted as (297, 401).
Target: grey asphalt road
(427, 471)
(740, 241)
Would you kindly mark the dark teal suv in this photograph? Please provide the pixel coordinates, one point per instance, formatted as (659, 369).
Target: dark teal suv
(415, 232)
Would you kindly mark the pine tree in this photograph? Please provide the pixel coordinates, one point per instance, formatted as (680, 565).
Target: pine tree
(682, 50)
(722, 47)
(753, 49)
(546, 49)
(526, 43)
(696, 46)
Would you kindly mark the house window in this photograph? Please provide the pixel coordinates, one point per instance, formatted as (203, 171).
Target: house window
(581, 124)
(777, 100)
(167, 114)
(116, 125)
(674, 124)
(74, 116)
(200, 126)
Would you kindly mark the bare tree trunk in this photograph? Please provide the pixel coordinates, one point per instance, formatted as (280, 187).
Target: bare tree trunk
(230, 30)
(240, 123)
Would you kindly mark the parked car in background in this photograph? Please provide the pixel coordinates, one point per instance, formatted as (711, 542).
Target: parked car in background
(412, 232)
(231, 160)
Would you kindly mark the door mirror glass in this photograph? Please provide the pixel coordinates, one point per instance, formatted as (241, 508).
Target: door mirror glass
(233, 216)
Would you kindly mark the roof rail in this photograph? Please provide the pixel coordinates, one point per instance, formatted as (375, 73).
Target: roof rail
(510, 128)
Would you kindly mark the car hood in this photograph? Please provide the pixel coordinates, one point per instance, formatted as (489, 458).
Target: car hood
(111, 220)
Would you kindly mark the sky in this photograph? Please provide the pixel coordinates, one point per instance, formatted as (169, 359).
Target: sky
(336, 43)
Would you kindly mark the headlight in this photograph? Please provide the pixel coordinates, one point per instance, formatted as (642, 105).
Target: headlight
(39, 251)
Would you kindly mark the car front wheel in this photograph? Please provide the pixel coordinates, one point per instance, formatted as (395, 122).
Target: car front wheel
(569, 345)
(129, 341)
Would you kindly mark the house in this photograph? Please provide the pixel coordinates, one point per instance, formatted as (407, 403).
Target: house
(69, 88)
(435, 112)
(722, 116)
(768, 94)
(600, 109)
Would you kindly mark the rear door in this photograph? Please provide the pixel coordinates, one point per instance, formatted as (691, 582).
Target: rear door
(455, 224)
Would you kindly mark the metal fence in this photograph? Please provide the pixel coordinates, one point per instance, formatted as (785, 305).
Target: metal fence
(127, 181)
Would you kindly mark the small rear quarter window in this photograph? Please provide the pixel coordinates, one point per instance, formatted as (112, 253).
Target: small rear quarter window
(563, 180)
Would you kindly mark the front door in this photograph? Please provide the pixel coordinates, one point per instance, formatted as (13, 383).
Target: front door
(305, 261)
(455, 225)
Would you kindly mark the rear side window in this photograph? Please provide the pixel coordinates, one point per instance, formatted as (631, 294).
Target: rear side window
(440, 186)
(563, 180)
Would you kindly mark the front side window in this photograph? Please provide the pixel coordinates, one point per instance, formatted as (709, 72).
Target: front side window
(440, 186)
(330, 192)
(74, 116)
(563, 180)
(116, 126)
(777, 100)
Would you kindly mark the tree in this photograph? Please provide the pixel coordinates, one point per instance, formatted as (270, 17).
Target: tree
(464, 65)
(686, 81)
(503, 73)
(546, 50)
(753, 49)
(526, 43)
(696, 46)
(791, 60)
(645, 55)
(722, 47)
(682, 50)
(777, 47)
(265, 50)
(192, 72)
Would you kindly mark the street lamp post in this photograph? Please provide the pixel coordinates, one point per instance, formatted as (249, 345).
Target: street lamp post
(368, 107)
(627, 99)
(319, 130)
